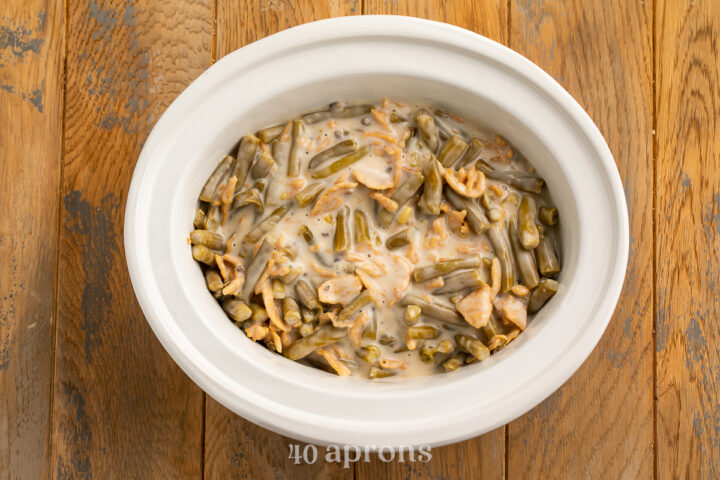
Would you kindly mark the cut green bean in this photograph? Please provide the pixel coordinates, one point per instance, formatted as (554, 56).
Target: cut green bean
(293, 274)
(203, 254)
(435, 310)
(306, 294)
(249, 197)
(524, 259)
(266, 224)
(342, 241)
(340, 164)
(355, 305)
(474, 217)
(211, 240)
(262, 166)
(402, 238)
(452, 151)
(236, 309)
(199, 219)
(542, 293)
(259, 314)
(213, 217)
(337, 111)
(267, 135)
(369, 353)
(443, 128)
(298, 129)
(527, 229)
(342, 148)
(306, 234)
(412, 314)
(431, 198)
(377, 372)
(322, 337)
(473, 346)
(500, 244)
(526, 183)
(281, 151)
(307, 195)
(221, 171)
(407, 188)
(428, 130)
(472, 153)
(548, 215)
(278, 289)
(361, 230)
(291, 312)
(423, 274)
(423, 332)
(546, 258)
(255, 269)
(245, 157)
(462, 280)
(396, 118)
(213, 280)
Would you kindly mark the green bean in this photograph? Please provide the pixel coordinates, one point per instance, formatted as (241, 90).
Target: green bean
(343, 238)
(307, 195)
(371, 329)
(499, 241)
(259, 314)
(495, 214)
(355, 305)
(203, 254)
(307, 234)
(407, 188)
(298, 129)
(308, 315)
(293, 274)
(255, 269)
(454, 362)
(236, 309)
(424, 332)
(402, 238)
(306, 294)
(395, 118)
(526, 183)
(213, 280)
(546, 258)
(370, 353)
(249, 197)
(436, 310)
(278, 289)
(411, 139)
(422, 274)
(266, 224)
(426, 124)
(523, 258)
(246, 154)
(475, 217)
(452, 151)
(361, 230)
(281, 151)
(548, 215)
(427, 353)
(472, 153)
(262, 166)
(291, 312)
(338, 165)
(527, 229)
(473, 346)
(199, 219)
(461, 280)
(511, 201)
(211, 240)
(210, 188)
(213, 217)
(431, 198)
(267, 135)
(306, 329)
(377, 372)
(322, 337)
(412, 314)
(342, 148)
(541, 294)
(443, 128)
(347, 111)
(259, 185)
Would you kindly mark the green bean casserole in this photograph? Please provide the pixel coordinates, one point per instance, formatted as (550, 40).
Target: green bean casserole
(378, 240)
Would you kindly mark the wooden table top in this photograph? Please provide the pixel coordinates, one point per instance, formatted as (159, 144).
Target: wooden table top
(86, 390)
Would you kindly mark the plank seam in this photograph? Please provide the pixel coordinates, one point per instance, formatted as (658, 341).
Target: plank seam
(653, 136)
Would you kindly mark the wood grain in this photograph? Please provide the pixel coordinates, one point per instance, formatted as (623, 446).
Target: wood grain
(234, 447)
(599, 425)
(31, 67)
(485, 454)
(687, 220)
(122, 408)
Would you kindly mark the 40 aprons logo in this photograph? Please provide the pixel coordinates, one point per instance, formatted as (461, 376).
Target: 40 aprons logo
(349, 454)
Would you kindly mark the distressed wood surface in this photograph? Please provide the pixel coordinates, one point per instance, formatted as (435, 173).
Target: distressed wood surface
(122, 408)
(687, 216)
(484, 454)
(600, 424)
(31, 66)
(92, 394)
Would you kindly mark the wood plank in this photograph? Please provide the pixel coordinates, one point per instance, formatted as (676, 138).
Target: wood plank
(484, 454)
(31, 75)
(122, 408)
(599, 425)
(687, 217)
(234, 447)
